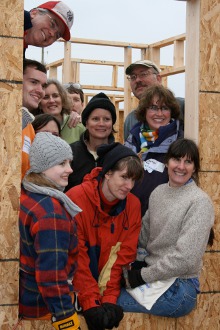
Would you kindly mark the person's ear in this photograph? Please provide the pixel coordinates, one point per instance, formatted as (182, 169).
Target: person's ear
(107, 175)
(33, 13)
(159, 78)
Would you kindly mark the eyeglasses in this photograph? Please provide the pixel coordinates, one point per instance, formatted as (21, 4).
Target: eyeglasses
(154, 108)
(54, 26)
(74, 85)
(142, 75)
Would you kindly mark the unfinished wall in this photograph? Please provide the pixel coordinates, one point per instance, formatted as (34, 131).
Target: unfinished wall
(202, 124)
(11, 56)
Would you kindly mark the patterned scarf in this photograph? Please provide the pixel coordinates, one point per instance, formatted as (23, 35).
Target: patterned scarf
(147, 137)
(71, 207)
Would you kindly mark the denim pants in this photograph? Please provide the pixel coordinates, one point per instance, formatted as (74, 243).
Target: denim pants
(178, 300)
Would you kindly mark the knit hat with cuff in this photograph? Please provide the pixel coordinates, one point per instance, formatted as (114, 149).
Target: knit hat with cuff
(99, 101)
(112, 153)
(47, 151)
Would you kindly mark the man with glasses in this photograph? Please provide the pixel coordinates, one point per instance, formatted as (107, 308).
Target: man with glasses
(47, 23)
(143, 74)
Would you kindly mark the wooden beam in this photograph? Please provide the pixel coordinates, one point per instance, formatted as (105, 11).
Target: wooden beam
(168, 42)
(127, 87)
(104, 43)
(192, 70)
(106, 88)
(67, 74)
(178, 56)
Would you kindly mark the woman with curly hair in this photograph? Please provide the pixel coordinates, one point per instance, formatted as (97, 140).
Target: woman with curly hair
(158, 126)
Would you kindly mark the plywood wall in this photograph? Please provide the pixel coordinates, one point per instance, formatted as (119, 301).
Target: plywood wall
(11, 57)
(208, 137)
(202, 124)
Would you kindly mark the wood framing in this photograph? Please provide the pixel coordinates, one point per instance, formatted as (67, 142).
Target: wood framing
(202, 123)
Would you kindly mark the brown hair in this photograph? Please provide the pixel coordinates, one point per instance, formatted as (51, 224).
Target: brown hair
(133, 165)
(72, 89)
(42, 120)
(185, 147)
(165, 96)
(40, 180)
(66, 105)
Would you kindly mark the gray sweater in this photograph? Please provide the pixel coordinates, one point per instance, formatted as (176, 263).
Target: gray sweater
(175, 232)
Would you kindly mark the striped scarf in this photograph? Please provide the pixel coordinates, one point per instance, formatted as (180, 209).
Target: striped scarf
(147, 137)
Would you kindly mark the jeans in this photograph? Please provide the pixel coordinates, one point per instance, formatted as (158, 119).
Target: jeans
(178, 300)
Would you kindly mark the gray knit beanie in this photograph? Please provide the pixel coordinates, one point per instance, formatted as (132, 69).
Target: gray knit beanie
(47, 151)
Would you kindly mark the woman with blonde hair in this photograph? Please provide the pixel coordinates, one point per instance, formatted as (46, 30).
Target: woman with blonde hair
(48, 238)
(56, 103)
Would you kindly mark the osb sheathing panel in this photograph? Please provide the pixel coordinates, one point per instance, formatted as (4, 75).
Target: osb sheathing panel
(11, 57)
(8, 317)
(210, 275)
(210, 182)
(131, 321)
(12, 16)
(204, 317)
(209, 128)
(10, 150)
(210, 45)
(9, 282)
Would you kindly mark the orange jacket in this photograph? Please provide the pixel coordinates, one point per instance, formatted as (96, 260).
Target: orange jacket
(28, 135)
(106, 242)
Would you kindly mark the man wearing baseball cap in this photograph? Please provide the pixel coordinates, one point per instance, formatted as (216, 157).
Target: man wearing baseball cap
(47, 23)
(143, 74)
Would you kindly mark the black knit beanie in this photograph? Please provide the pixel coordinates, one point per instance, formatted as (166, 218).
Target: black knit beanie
(111, 154)
(99, 101)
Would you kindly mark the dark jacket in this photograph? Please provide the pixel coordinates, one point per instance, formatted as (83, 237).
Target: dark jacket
(166, 135)
(83, 161)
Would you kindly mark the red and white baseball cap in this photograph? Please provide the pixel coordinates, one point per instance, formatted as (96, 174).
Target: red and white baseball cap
(63, 12)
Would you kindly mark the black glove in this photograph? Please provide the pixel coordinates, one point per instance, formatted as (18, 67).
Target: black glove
(96, 318)
(134, 278)
(115, 315)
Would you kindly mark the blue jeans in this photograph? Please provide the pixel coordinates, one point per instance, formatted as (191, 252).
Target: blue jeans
(178, 300)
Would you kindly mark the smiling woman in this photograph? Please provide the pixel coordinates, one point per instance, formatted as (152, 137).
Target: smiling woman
(157, 127)
(47, 223)
(173, 239)
(56, 103)
(98, 117)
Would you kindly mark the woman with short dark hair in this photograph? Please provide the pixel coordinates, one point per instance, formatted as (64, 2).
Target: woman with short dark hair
(173, 239)
(46, 123)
